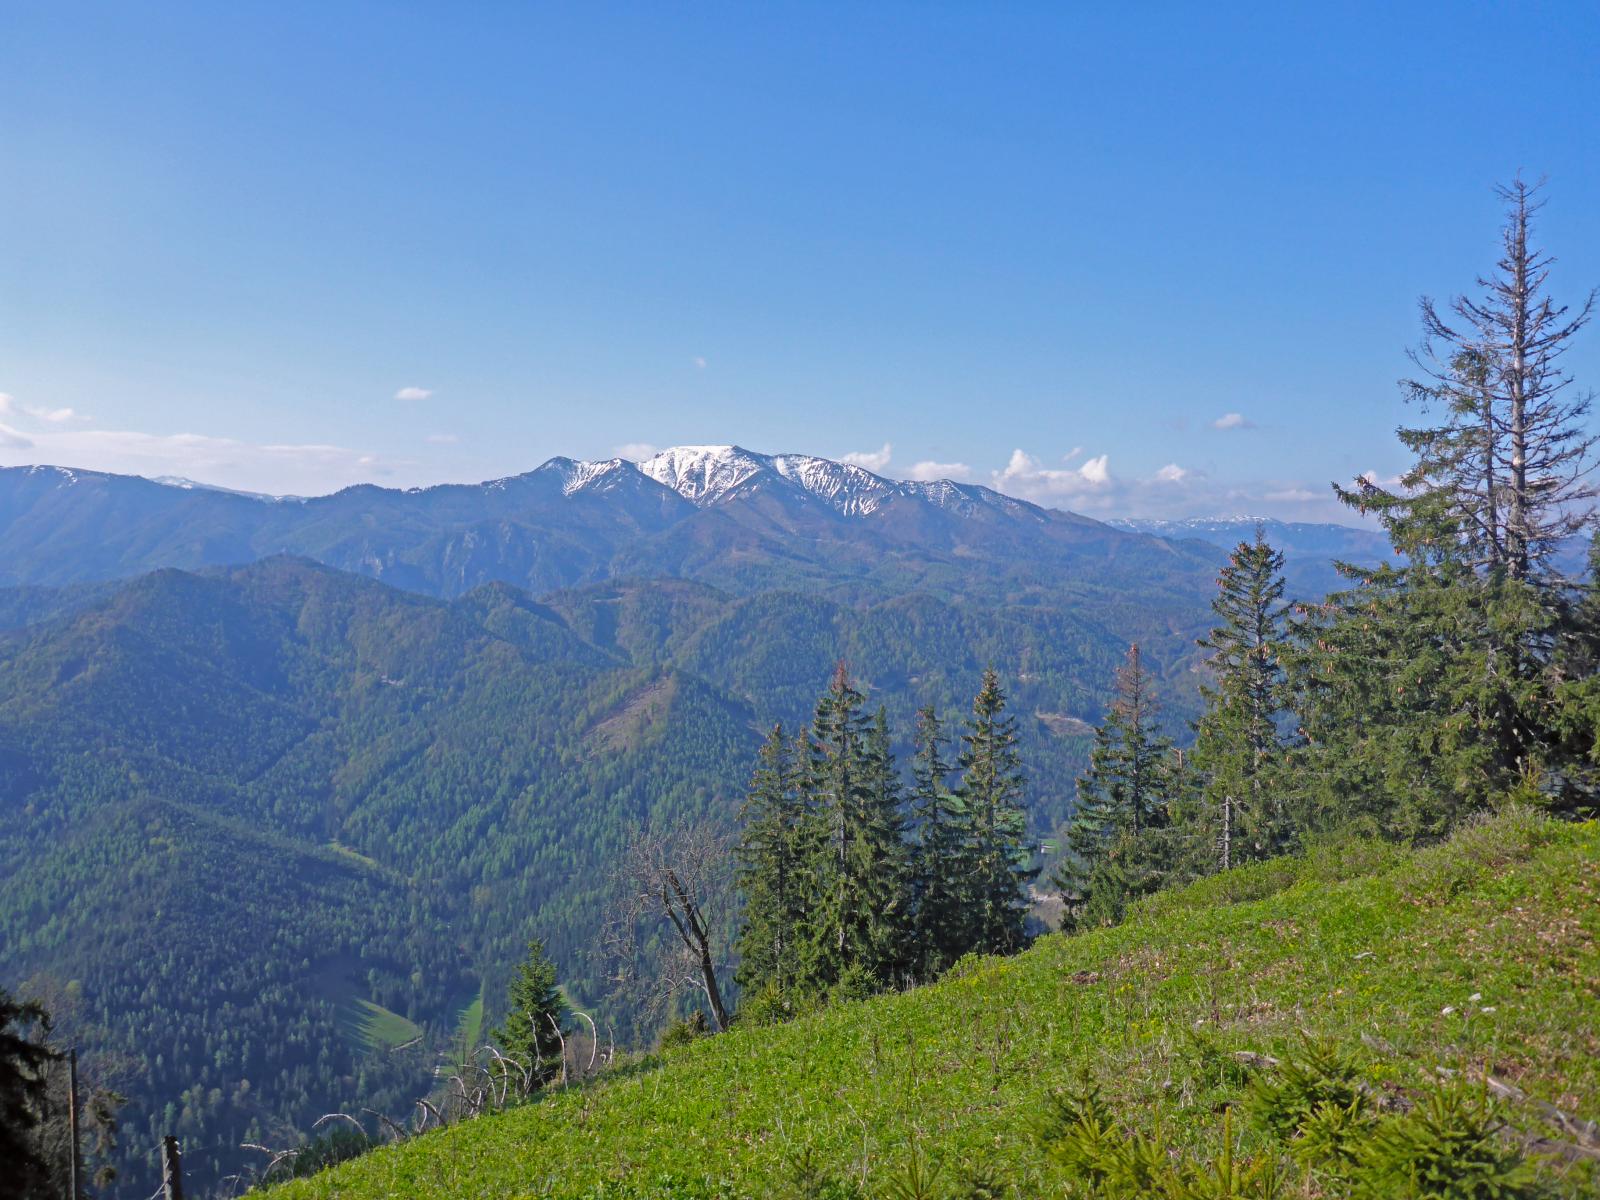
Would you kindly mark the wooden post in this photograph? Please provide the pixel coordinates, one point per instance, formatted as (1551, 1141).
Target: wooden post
(72, 1123)
(171, 1169)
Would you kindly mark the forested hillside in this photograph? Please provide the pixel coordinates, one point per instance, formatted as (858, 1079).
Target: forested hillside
(261, 824)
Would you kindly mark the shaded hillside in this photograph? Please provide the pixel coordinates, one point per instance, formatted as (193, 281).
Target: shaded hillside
(1480, 954)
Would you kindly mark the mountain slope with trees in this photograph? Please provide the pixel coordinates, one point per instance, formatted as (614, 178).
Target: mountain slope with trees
(373, 798)
(1468, 957)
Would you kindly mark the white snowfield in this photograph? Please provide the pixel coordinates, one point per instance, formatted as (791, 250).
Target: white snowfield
(707, 475)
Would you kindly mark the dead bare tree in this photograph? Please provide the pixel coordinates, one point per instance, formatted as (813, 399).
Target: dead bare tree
(671, 880)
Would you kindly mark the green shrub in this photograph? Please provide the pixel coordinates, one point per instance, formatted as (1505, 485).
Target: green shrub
(1481, 846)
(856, 982)
(771, 1007)
(1309, 1080)
(1445, 1149)
(684, 1030)
(1108, 1163)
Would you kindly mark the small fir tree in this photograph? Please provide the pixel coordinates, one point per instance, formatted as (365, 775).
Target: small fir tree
(1118, 843)
(535, 1010)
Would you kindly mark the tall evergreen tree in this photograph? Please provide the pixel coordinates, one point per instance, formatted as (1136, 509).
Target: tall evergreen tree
(888, 859)
(23, 1060)
(1238, 744)
(1117, 844)
(991, 793)
(1456, 697)
(535, 1010)
(772, 873)
(854, 934)
(942, 857)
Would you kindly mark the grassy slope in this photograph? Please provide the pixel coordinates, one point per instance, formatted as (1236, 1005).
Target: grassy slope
(1509, 910)
(373, 1027)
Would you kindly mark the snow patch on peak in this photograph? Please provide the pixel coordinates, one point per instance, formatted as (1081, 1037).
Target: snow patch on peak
(708, 475)
(704, 474)
(580, 475)
(66, 474)
(851, 489)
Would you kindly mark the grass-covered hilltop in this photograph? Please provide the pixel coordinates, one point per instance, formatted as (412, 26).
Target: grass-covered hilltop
(1453, 991)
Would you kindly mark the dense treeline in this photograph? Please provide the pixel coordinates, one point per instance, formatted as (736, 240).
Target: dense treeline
(1459, 675)
(851, 881)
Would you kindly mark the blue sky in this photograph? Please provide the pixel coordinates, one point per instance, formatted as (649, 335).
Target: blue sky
(1048, 246)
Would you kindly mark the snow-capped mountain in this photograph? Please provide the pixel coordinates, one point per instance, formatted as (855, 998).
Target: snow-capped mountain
(719, 514)
(711, 475)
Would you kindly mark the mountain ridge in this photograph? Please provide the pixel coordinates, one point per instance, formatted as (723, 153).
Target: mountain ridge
(720, 514)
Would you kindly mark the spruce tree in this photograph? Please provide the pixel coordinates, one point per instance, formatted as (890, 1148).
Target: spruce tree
(771, 859)
(1238, 744)
(991, 793)
(887, 860)
(1118, 842)
(854, 935)
(23, 1060)
(1431, 684)
(942, 858)
(1577, 694)
(535, 1009)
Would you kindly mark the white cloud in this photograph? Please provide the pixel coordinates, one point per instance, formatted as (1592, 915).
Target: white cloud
(636, 451)
(443, 439)
(1095, 470)
(10, 439)
(929, 471)
(1232, 420)
(278, 468)
(54, 416)
(699, 362)
(1172, 491)
(413, 393)
(1027, 477)
(872, 460)
(1075, 452)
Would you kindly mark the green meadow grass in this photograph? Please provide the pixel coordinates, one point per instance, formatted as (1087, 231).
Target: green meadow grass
(373, 1027)
(1379, 949)
(469, 1026)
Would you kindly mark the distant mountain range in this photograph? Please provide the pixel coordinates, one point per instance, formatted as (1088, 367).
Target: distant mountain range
(1297, 539)
(721, 515)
